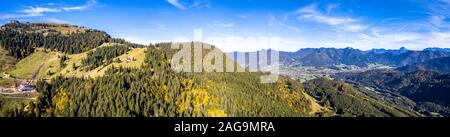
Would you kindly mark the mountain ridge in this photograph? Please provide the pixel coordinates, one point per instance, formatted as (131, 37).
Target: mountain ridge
(329, 57)
(104, 79)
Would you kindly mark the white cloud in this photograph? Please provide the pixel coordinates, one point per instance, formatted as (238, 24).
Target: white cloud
(11, 16)
(201, 4)
(244, 16)
(311, 13)
(440, 39)
(326, 19)
(352, 27)
(438, 7)
(35, 11)
(177, 4)
(244, 44)
(138, 40)
(291, 27)
(439, 21)
(390, 34)
(383, 38)
(87, 5)
(400, 37)
(221, 25)
(53, 20)
(30, 12)
(38, 11)
(274, 22)
(191, 4)
(153, 28)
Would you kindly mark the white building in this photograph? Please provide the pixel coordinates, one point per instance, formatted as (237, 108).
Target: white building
(26, 88)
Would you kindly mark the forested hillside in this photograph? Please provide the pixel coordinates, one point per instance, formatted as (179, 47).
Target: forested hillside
(430, 90)
(80, 72)
(21, 39)
(103, 55)
(441, 65)
(155, 90)
(347, 101)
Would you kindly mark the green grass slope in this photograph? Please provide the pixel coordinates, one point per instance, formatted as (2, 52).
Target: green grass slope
(40, 64)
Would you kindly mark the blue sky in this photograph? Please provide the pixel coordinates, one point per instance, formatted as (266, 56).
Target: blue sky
(247, 25)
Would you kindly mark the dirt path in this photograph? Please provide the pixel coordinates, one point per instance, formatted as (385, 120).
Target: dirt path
(33, 77)
(16, 93)
(20, 98)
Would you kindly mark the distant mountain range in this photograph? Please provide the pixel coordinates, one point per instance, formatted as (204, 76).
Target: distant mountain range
(327, 57)
(437, 49)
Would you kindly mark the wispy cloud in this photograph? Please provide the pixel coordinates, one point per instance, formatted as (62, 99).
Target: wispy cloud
(30, 12)
(177, 4)
(387, 38)
(54, 20)
(36, 11)
(193, 4)
(244, 16)
(153, 28)
(311, 13)
(274, 22)
(438, 21)
(87, 5)
(390, 33)
(438, 7)
(352, 27)
(201, 4)
(221, 24)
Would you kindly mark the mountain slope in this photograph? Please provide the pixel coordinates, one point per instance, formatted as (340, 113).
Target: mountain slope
(37, 65)
(436, 90)
(441, 65)
(110, 77)
(21, 39)
(428, 89)
(174, 94)
(153, 89)
(348, 101)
